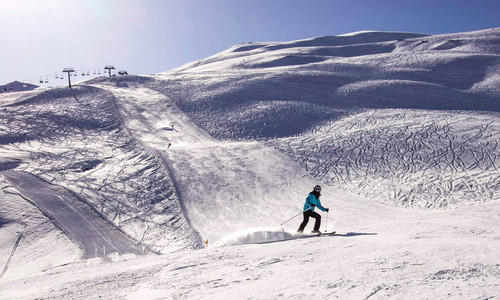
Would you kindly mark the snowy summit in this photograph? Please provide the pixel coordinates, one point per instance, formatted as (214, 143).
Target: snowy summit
(192, 183)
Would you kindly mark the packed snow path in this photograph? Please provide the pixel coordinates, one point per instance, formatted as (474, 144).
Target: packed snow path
(84, 226)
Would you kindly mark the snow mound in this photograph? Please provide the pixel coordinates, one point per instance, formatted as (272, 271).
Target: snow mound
(256, 236)
(357, 33)
(343, 40)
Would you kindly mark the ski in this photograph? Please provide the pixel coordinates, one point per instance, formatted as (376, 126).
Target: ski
(329, 233)
(319, 234)
(323, 233)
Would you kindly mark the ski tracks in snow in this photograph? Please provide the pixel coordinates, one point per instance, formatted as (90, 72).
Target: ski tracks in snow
(83, 225)
(14, 248)
(156, 122)
(76, 139)
(419, 159)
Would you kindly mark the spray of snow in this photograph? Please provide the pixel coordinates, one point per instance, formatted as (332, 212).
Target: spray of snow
(255, 236)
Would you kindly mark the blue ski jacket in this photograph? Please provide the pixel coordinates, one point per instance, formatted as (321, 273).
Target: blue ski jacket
(311, 199)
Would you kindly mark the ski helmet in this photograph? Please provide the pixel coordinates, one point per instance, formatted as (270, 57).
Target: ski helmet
(317, 188)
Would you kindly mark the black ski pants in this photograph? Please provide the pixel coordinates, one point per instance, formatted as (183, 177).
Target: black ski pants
(311, 214)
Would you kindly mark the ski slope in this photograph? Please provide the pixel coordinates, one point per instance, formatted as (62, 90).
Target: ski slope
(216, 180)
(196, 168)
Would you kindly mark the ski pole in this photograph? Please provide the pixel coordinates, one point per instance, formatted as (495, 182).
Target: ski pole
(326, 223)
(295, 216)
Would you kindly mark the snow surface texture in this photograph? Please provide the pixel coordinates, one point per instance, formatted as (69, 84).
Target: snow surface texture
(225, 149)
(76, 139)
(417, 159)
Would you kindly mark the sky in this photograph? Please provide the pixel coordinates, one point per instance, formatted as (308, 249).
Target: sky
(41, 37)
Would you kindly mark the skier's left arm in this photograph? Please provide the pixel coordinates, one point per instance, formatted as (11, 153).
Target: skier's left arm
(318, 205)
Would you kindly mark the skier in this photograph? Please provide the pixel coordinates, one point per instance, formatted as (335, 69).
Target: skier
(312, 201)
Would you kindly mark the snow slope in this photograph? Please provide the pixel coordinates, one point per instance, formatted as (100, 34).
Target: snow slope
(300, 79)
(41, 245)
(76, 139)
(419, 159)
(78, 221)
(223, 150)
(327, 99)
(438, 255)
(218, 182)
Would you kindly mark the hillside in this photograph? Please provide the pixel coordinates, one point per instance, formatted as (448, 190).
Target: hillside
(400, 129)
(324, 77)
(396, 117)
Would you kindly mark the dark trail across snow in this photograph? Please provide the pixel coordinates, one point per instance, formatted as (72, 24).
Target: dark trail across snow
(84, 226)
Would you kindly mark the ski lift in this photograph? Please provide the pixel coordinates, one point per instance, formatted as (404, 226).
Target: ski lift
(83, 73)
(94, 72)
(62, 76)
(88, 73)
(76, 74)
(47, 80)
(41, 80)
(57, 76)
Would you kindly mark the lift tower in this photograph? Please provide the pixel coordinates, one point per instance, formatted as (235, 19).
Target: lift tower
(109, 68)
(69, 71)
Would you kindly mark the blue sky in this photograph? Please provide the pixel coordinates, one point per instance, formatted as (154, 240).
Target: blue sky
(41, 37)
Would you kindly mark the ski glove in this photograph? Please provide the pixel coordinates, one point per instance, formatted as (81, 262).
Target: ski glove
(327, 209)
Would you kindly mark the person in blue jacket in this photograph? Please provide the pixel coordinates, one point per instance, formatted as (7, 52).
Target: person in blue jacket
(312, 201)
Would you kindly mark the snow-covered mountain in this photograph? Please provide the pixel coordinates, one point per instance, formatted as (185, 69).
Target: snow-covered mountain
(397, 117)
(141, 172)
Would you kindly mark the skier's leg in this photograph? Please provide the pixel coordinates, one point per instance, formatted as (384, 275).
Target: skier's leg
(304, 222)
(318, 220)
